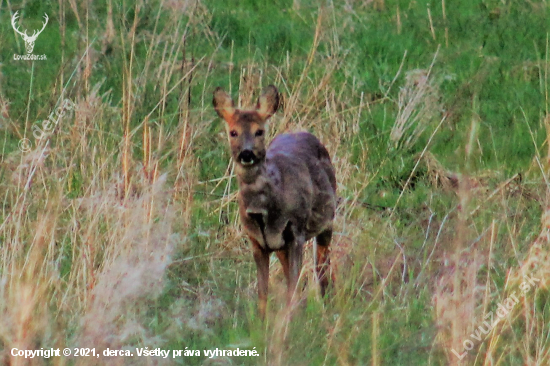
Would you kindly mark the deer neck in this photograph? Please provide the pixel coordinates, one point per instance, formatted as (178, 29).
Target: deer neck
(255, 192)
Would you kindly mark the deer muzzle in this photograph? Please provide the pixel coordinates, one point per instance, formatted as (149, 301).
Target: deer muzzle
(247, 157)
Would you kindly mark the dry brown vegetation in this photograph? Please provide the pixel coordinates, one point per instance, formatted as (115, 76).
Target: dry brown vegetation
(119, 229)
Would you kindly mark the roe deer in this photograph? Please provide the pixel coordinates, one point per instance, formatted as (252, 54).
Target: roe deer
(287, 194)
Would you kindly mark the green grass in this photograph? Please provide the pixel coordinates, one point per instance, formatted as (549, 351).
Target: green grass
(80, 229)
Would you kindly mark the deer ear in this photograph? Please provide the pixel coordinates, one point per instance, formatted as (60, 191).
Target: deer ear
(268, 102)
(223, 104)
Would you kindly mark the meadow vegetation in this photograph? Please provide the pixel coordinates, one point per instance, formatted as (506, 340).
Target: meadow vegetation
(119, 228)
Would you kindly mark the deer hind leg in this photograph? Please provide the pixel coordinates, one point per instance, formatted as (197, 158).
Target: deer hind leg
(261, 257)
(322, 260)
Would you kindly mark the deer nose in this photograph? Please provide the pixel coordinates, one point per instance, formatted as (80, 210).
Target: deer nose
(247, 157)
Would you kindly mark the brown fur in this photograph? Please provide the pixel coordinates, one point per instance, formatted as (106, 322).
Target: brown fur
(287, 193)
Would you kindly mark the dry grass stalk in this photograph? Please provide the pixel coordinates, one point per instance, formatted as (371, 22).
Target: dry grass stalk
(419, 106)
(131, 273)
(457, 293)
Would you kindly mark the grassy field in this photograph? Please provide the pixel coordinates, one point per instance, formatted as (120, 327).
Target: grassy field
(119, 227)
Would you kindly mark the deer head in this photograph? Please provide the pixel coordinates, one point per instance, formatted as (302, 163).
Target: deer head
(246, 128)
(29, 40)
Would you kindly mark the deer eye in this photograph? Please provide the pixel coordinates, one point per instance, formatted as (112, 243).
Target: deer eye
(233, 133)
(259, 133)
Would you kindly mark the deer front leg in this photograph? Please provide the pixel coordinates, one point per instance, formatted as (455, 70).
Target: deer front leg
(295, 253)
(261, 257)
(283, 258)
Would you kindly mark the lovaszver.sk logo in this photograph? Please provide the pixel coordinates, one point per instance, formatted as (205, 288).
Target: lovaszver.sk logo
(29, 40)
